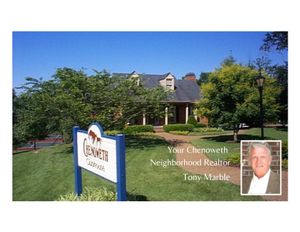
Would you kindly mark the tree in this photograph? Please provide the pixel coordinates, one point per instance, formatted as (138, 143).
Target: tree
(18, 135)
(203, 78)
(228, 61)
(280, 72)
(262, 63)
(230, 97)
(279, 41)
(30, 116)
(122, 100)
(74, 98)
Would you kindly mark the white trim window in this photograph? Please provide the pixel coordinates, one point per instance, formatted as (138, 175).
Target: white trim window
(169, 83)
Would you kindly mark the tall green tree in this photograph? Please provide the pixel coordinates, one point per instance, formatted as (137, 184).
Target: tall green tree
(31, 119)
(121, 100)
(203, 78)
(278, 41)
(74, 98)
(231, 97)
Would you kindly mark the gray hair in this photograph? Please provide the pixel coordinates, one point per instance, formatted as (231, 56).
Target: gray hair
(254, 145)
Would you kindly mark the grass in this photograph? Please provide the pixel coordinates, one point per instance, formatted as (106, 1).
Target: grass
(47, 174)
(234, 147)
(196, 133)
(269, 133)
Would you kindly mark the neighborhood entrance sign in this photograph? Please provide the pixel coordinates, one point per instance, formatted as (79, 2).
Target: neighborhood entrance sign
(97, 153)
(100, 154)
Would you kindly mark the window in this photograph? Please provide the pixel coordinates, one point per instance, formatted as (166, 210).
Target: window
(169, 83)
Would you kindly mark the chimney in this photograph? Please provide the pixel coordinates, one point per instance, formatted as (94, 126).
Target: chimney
(190, 77)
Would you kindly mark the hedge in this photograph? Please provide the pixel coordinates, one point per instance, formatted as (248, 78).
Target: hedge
(179, 132)
(138, 129)
(208, 129)
(113, 132)
(178, 127)
(199, 124)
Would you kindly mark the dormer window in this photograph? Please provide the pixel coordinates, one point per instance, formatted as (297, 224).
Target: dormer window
(169, 83)
(135, 77)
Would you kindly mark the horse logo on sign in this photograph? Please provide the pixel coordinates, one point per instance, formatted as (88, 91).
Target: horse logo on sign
(94, 138)
(100, 154)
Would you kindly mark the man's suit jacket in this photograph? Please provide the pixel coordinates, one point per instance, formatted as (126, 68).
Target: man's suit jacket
(273, 185)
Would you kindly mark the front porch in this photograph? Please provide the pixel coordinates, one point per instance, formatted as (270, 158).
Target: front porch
(176, 113)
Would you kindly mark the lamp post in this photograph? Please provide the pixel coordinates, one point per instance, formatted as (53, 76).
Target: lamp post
(260, 83)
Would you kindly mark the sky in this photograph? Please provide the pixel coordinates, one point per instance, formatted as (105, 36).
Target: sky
(39, 54)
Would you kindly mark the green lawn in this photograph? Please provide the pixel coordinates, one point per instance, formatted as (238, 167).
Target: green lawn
(269, 133)
(234, 148)
(47, 174)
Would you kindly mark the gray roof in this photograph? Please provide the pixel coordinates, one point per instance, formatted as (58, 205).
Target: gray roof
(185, 90)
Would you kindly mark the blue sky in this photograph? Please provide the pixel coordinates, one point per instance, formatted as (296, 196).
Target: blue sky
(39, 54)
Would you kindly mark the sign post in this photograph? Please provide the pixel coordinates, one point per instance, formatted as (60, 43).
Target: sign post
(100, 154)
(121, 174)
(77, 169)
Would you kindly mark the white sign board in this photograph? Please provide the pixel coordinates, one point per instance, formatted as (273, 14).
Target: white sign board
(97, 153)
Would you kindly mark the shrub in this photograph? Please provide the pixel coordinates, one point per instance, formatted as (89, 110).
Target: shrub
(179, 132)
(208, 129)
(138, 129)
(199, 124)
(178, 127)
(234, 159)
(113, 132)
(284, 150)
(90, 194)
(144, 134)
(191, 120)
(284, 164)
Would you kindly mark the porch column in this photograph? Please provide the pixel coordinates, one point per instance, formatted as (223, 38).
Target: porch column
(186, 113)
(166, 116)
(195, 113)
(144, 119)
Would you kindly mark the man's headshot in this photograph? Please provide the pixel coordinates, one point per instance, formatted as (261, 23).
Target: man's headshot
(260, 167)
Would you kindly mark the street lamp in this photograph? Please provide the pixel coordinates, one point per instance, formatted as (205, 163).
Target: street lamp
(260, 83)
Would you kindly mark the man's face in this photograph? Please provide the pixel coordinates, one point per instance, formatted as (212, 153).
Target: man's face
(260, 161)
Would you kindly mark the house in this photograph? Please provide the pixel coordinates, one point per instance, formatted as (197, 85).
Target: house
(184, 94)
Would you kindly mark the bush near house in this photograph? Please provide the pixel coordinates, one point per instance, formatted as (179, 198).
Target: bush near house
(178, 127)
(138, 129)
(192, 120)
(113, 132)
(199, 124)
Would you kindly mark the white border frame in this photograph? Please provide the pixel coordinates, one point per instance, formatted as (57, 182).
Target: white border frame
(242, 165)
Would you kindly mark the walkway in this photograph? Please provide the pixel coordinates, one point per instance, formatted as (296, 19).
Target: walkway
(184, 142)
